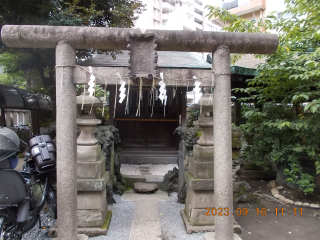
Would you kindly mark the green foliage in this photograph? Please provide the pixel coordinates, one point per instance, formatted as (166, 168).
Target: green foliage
(193, 115)
(274, 133)
(36, 66)
(190, 136)
(46, 122)
(283, 126)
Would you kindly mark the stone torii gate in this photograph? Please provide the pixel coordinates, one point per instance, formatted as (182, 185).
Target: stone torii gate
(67, 39)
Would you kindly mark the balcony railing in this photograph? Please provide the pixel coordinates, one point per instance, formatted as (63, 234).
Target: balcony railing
(242, 7)
(230, 5)
(167, 7)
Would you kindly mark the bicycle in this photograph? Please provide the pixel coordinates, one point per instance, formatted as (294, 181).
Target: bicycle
(19, 210)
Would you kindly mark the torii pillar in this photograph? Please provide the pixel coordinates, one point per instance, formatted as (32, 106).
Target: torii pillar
(67, 39)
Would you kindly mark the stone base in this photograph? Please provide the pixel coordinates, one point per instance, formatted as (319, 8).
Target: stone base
(93, 184)
(201, 170)
(90, 231)
(203, 153)
(199, 184)
(88, 153)
(211, 236)
(206, 228)
(196, 204)
(92, 217)
(91, 200)
(91, 170)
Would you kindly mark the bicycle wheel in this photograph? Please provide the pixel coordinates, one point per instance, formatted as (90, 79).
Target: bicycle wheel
(2, 228)
(52, 203)
(7, 231)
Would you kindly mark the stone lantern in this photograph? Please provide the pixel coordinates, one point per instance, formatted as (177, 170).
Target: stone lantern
(199, 176)
(91, 174)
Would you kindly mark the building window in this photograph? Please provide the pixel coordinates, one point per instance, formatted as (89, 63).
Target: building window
(284, 15)
(199, 2)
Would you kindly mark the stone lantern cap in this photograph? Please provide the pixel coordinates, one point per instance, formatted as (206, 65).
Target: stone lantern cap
(206, 105)
(89, 108)
(87, 101)
(205, 100)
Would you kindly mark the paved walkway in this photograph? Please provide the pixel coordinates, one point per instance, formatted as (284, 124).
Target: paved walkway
(146, 222)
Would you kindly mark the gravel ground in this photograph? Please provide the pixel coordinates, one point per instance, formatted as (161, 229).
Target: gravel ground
(172, 226)
(161, 169)
(39, 234)
(121, 220)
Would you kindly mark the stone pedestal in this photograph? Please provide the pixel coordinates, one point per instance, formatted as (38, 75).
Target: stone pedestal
(91, 175)
(199, 178)
(200, 201)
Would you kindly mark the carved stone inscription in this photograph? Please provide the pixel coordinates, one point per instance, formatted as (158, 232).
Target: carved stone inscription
(143, 56)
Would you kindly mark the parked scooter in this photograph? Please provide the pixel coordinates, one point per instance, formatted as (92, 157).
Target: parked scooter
(19, 210)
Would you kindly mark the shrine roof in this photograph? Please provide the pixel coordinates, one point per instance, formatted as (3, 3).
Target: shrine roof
(165, 60)
(246, 65)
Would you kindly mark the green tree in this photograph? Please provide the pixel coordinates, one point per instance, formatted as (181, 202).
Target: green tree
(37, 65)
(283, 126)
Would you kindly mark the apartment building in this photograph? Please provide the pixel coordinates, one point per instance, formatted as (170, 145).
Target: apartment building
(252, 9)
(176, 15)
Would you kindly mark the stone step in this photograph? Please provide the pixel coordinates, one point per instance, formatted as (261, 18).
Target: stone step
(132, 179)
(149, 159)
(150, 156)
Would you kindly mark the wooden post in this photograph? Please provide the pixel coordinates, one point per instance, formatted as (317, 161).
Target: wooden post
(112, 92)
(237, 119)
(181, 164)
(2, 118)
(35, 122)
(184, 107)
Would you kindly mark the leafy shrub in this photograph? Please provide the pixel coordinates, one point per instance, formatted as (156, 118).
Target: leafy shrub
(190, 136)
(276, 133)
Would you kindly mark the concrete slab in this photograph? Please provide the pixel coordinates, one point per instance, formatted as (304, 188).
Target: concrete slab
(147, 210)
(211, 236)
(132, 196)
(146, 223)
(150, 230)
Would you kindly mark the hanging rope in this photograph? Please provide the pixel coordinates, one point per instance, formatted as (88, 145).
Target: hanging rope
(105, 96)
(115, 100)
(152, 96)
(126, 110)
(93, 96)
(140, 97)
(84, 91)
(212, 87)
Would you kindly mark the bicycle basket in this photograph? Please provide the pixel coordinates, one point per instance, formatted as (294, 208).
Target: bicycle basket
(43, 151)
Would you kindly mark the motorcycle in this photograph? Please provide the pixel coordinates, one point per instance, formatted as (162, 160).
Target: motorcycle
(19, 208)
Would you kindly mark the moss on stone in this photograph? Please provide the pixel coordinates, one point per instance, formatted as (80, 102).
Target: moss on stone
(236, 137)
(249, 196)
(107, 220)
(235, 154)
